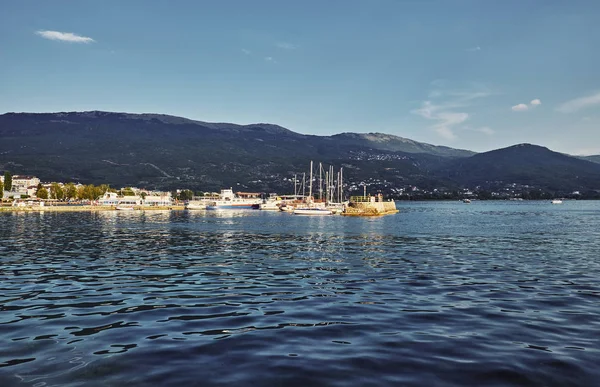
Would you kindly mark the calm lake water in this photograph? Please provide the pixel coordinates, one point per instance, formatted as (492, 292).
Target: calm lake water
(440, 294)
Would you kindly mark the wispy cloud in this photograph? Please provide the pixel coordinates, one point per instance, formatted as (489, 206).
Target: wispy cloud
(270, 59)
(520, 107)
(473, 49)
(485, 130)
(286, 46)
(579, 103)
(536, 102)
(445, 113)
(246, 51)
(64, 36)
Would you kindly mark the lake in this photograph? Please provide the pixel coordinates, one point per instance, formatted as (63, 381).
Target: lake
(440, 294)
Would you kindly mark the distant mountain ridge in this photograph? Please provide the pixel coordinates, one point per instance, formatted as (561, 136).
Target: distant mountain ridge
(163, 151)
(401, 144)
(594, 158)
(524, 164)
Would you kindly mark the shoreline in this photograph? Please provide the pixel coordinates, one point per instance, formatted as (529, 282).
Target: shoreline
(88, 208)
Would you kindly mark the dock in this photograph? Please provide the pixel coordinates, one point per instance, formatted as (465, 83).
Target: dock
(369, 206)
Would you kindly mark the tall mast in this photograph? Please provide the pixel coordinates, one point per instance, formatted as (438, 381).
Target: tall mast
(320, 183)
(327, 187)
(295, 187)
(310, 182)
(331, 183)
(341, 184)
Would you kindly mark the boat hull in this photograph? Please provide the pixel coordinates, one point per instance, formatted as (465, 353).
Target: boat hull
(312, 211)
(229, 207)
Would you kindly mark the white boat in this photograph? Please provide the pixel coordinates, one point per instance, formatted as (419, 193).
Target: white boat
(466, 200)
(195, 205)
(556, 201)
(270, 203)
(240, 200)
(312, 211)
(125, 207)
(270, 206)
(336, 208)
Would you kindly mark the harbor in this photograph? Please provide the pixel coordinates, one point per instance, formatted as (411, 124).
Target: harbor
(318, 193)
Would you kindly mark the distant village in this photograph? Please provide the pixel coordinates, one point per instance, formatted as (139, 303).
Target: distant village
(20, 188)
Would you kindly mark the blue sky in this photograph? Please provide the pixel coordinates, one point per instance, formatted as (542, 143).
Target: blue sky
(469, 74)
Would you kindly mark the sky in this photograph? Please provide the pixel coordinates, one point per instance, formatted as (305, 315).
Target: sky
(469, 74)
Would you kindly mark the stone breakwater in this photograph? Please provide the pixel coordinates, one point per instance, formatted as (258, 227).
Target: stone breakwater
(370, 209)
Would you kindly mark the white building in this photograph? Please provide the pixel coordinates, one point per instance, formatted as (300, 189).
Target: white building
(22, 182)
(158, 199)
(151, 199)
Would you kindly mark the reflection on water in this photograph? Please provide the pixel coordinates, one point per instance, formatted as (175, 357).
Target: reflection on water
(439, 294)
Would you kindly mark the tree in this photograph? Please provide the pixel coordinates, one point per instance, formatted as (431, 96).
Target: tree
(186, 194)
(42, 193)
(127, 192)
(70, 191)
(7, 181)
(89, 192)
(102, 189)
(56, 191)
(1, 188)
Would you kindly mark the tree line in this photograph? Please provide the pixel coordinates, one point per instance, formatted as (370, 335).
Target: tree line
(70, 191)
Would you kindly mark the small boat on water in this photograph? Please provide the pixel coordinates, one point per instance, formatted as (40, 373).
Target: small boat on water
(312, 211)
(556, 201)
(125, 207)
(465, 200)
(195, 205)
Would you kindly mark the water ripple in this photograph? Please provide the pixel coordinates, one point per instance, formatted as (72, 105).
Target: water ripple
(440, 294)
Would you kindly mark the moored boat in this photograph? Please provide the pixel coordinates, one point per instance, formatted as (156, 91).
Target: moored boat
(229, 200)
(195, 205)
(312, 211)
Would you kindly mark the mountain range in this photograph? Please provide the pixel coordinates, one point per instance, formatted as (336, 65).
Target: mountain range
(165, 152)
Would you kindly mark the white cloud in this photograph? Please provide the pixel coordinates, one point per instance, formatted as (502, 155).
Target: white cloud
(520, 107)
(286, 46)
(449, 113)
(446, 120)
(473, 49)
(579, 103)
(523, 107)
(445, 132)
(246, 51)
(64, 37)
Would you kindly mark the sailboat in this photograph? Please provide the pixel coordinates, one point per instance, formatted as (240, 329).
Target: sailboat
(310, 208)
